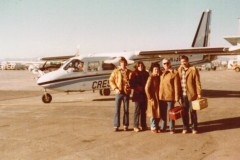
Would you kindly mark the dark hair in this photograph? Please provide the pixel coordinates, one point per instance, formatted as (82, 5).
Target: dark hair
(122, 59)
(156, 64)
(137, 65)
(184, 57)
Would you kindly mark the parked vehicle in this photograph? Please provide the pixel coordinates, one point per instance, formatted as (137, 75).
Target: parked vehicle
(236, 67)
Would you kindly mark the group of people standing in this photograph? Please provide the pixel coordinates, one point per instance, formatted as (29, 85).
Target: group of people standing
(154, 93)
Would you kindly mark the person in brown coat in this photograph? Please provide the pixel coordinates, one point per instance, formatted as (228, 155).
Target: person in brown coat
(190, 91)
(119, 82)
(168, 93)
(152, 92)
(137, 82)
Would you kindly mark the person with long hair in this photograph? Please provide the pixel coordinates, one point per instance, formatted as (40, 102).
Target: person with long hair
(137, 82)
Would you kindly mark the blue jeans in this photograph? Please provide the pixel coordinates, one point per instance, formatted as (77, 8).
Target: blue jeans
(164, 107)
(154, 122)
(140, 114)
(118, 99)
(187, 107)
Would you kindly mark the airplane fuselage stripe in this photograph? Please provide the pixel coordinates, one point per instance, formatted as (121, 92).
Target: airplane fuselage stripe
(79, 78)
(75, 81)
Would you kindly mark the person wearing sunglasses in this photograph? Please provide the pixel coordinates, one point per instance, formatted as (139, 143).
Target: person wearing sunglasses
(168, 94)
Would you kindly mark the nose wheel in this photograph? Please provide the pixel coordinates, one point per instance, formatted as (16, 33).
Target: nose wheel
(46, 98)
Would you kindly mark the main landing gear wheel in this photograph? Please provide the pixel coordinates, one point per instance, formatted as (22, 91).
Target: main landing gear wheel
(106, 92)
(237, 69)
(47, 98)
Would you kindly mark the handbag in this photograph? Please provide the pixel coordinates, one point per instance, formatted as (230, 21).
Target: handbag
(200, 104)
(176, 112)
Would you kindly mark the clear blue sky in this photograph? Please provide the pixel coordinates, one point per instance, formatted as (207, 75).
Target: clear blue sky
(38, 28)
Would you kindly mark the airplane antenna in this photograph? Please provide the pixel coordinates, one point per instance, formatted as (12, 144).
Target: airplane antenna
(239, 25)
(78, 51)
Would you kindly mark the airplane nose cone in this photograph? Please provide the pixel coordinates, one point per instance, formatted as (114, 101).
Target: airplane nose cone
(40, 80)
(43, 80)
(46, 80)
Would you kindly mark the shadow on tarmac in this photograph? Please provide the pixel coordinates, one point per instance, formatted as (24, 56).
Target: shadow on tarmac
(220, 124)
(104, 99)
(220, 93)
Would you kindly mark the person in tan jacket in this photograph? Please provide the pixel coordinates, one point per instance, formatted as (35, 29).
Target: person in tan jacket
(152, 93)
(168, 93)
(190, 91)
(119, 82)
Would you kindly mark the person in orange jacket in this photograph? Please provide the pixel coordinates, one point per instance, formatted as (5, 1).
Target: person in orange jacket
(119, 82)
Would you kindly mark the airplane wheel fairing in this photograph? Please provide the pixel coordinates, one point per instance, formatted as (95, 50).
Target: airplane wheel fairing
(106, 92)
(101, 92)
(47, 98)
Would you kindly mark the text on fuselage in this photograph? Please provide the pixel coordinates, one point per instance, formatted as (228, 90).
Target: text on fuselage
(100, 84)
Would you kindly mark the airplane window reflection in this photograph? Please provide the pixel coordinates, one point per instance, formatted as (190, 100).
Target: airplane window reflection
(80, 67)
(93, 66)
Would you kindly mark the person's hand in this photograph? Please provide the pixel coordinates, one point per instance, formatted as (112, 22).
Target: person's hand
(177, 100)
(199, 96)
(117, 91)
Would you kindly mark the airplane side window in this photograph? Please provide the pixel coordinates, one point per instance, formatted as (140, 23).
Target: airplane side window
(106, 66)
(93, 66)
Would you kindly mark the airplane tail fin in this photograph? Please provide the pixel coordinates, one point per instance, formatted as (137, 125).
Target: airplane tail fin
(203, 30)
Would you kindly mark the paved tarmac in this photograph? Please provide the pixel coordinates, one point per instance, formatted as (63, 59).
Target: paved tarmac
(80, 125)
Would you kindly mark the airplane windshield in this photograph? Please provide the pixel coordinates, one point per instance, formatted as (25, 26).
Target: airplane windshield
(74, 65)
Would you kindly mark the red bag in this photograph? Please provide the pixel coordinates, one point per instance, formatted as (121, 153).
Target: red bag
(176, 113)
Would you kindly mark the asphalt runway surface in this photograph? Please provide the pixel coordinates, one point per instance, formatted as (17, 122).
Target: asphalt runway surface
(80, 125)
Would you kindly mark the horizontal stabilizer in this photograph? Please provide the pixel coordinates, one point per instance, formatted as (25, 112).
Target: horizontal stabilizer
(234, 40)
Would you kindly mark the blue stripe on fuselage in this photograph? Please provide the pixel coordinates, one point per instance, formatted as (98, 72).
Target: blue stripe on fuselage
(66, 82)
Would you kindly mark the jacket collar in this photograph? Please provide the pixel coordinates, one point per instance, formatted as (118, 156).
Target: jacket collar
(189, 70)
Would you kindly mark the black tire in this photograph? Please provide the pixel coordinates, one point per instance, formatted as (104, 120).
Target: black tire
(47, 98)
(106, 92)
(237, 69)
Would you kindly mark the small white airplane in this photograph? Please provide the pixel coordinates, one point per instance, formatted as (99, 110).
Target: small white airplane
(92, 72)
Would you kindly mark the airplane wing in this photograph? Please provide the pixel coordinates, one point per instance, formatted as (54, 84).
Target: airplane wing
(57, 58)
(196, 50)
